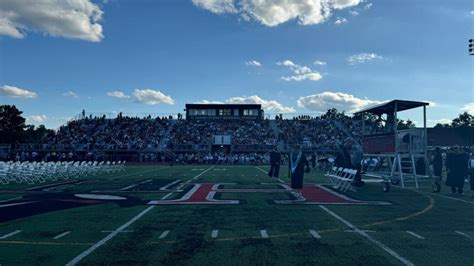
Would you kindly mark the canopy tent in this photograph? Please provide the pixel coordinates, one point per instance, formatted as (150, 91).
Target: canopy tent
(389, 107)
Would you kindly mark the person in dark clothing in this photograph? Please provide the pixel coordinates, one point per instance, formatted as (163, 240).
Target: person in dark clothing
(313, 160)
(343, 158)
(456, 166)
(298, 165)
(470, 170)
(356, 158)
(438, 164)
(275, 161)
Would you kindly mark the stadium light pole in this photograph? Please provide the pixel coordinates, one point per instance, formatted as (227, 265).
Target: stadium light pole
(471, 46)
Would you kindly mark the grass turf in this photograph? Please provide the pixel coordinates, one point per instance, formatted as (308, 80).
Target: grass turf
(239, 241)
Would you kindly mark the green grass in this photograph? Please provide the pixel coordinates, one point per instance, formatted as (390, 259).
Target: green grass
(239, 242)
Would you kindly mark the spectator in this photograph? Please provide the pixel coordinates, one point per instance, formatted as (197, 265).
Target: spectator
(456, 167)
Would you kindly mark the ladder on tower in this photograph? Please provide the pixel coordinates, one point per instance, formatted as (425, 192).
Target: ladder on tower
(404, 169)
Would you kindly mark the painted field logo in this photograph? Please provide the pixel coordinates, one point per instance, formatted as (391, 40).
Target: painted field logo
(205, 193)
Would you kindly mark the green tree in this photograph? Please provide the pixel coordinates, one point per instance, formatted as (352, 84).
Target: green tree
(463, 120)
(11, 124)
(35, 135)
(402, 124)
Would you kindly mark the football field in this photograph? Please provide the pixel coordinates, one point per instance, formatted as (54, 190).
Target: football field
(228, 215)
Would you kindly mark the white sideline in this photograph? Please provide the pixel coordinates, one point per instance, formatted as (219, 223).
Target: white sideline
(368, 237)
(91, 249)
(10, 234)
(463, 234)
(414, 234)
(164, 234)
(264, 233)
(62, 234)
(446, 197)
(315, 234)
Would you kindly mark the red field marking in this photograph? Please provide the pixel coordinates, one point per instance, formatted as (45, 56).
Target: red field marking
(317, 194)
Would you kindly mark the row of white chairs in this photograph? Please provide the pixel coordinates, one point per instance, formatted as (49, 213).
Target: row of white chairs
(341, 178)
(40, 172)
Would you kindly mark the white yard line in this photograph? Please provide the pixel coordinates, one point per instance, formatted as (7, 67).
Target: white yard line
(368, 237)
(464, 234)
(108, 237)
(315, 234)
(164, 234)
(10, 234)
(365, 231)
(264, 233)
(101, 242)
(7, 200)
(124, 231)
(261, 170)
(214, 233)
(205, 171)
(62, 234)
(446, 197)
(137, 184)
(170, 184)
(415, 235)
(16, 204)
(265, 172)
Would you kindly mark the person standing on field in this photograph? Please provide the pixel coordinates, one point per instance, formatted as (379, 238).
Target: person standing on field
(275, 160)
(456, 166)
(298, 165)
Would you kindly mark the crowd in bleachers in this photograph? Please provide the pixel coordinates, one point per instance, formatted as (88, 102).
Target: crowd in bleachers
(99, 133)
(242, 132)
(318, 133)
(91, 138)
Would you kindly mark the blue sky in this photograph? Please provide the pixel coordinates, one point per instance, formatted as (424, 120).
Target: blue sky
(145, 56)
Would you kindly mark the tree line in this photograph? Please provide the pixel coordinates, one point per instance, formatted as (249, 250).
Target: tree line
(13, 127)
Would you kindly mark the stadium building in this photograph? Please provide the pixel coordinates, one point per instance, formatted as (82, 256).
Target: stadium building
(224, 111)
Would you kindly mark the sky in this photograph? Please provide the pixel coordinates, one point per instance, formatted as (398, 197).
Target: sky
(294, 57)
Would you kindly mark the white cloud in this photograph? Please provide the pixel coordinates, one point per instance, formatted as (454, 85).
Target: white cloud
(267, 105)
(14, 92)
(319, 63)
(339, 100)
(217, 6)
(468, 108)
(340, 21)
(76, 19)
(368, 6)
(37, 118)
(353, 13)
(118, 94)
(274, 12)
(363, 58)
(301, 72)
(209, 102)
(472, 12)
(70, 94)
(253, 63)
(440, 121)
(152, 97)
